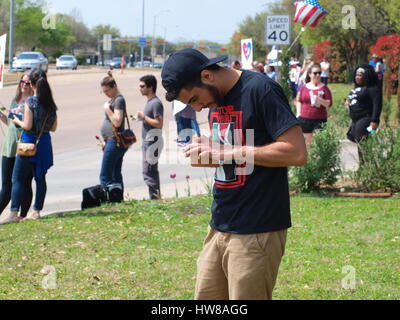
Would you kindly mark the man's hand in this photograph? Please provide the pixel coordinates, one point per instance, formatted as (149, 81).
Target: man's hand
(205, 152)
(139, 115)
(374, 125)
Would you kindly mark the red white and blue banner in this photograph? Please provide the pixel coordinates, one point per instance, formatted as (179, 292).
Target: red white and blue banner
(309, 13)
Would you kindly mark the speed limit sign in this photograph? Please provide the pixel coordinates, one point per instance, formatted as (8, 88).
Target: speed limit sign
(277, 30)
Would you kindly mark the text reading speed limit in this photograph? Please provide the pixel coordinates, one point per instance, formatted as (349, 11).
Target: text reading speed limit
(277, 30)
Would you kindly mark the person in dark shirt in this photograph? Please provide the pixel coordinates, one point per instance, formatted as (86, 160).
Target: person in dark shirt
(255, 137)
(365, 103)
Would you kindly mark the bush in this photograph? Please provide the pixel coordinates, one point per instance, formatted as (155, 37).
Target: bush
(81, 58)
(340, 117)
(379, 168)
(323, 164)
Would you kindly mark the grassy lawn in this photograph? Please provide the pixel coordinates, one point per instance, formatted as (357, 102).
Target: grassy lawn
(12, 77)
(148, 250)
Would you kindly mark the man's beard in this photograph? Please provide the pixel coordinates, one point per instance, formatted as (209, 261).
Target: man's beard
(218, 99)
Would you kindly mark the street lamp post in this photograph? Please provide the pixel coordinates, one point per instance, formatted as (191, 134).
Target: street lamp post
(164, 44)
(142, 48)
(153, 48)
(11, 41)
(165, 40)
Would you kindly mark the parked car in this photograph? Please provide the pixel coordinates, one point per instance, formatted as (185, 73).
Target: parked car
(106, 63)
(146, 64)
(156, 65)
(67, 62)
(30, 60)
(116, 63)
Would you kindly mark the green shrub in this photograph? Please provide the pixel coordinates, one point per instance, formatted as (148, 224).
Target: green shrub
(340, 117)
(323, 163)
(379, 167)
(81, 58)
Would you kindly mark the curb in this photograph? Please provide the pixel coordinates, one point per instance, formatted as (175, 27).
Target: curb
(13, 83)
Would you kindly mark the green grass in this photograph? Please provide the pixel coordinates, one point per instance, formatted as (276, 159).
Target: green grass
(12, 77)
(148, 250)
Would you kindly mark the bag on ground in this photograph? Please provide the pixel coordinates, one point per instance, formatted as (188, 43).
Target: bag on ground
(115, 192)
(93, 197)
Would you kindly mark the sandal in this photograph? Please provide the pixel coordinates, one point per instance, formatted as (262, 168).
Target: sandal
(9, 219)
(33, 216)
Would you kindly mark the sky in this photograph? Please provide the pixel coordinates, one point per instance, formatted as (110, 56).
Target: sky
(178, 20)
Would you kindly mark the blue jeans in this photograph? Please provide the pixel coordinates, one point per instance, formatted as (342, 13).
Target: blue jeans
(111, 167)
(7, 168)
(24, 170)
(184, 128)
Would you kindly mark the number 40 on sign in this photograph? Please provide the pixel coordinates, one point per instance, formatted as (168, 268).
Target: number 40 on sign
(277, 30)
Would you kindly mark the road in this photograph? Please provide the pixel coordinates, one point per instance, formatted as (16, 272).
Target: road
(77, 156)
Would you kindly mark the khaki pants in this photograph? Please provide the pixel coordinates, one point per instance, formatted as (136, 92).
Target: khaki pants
(239, 266)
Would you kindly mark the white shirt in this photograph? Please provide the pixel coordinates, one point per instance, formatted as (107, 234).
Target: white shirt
(325, 65)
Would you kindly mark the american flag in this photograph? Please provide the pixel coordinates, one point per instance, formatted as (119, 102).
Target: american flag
(309, 12)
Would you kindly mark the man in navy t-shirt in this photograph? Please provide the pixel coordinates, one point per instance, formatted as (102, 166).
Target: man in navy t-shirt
(255, 137)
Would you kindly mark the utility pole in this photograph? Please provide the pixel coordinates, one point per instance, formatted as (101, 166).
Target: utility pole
(142, 48)
(153, 43)
(11, 41)
(165, 42)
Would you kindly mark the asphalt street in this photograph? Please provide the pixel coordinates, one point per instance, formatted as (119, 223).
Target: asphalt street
(77, 155)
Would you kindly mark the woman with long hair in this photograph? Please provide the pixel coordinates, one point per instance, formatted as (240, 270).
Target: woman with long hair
(24, 91)
(365, 103)
(113, 155)
(312, 102)
(40, 117)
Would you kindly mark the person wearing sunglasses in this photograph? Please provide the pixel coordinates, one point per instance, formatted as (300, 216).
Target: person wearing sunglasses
(312, 102)
(24, 90)
(40, 117)
(152, 124)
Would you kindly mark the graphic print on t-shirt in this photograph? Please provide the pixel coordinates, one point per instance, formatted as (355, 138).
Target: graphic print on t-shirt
(226, 128)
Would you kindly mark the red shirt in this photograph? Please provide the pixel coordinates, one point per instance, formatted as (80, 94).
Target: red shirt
(308, 108)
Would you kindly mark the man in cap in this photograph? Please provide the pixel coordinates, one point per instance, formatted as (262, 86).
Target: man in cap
(250, 211)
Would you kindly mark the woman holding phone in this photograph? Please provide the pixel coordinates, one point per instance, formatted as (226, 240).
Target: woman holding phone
(24, 91)
(40, 117)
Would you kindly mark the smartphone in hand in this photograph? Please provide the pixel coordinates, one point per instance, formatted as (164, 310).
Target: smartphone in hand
(18, 115)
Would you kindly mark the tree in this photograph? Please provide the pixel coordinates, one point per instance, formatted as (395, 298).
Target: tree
(253, 28)
(84, 39)
(28, 27)
(354, 43)
(389, 48)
